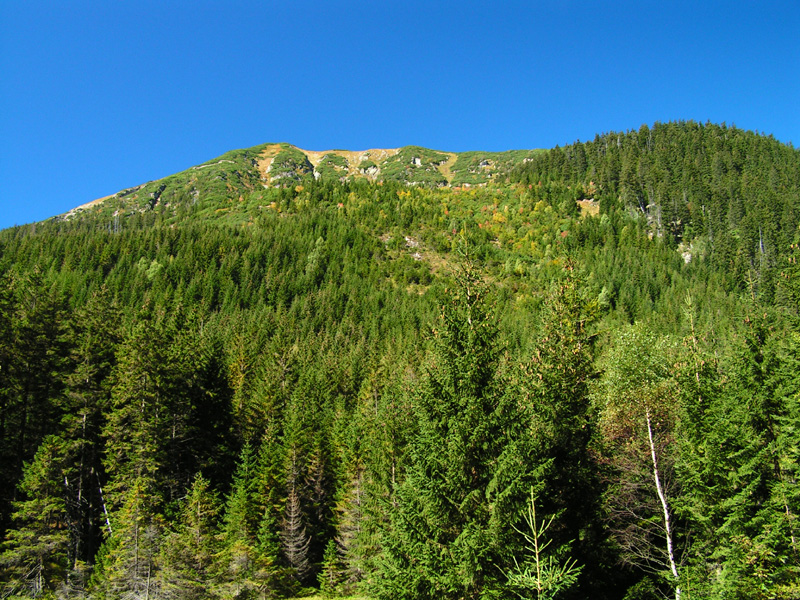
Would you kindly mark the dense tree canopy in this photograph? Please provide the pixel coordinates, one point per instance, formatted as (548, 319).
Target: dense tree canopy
(577, 380)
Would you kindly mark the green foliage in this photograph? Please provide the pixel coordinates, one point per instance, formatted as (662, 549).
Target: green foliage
(330, 577)
(246, 563)
(35, 555)
(129, 560)
(212, 184)
(333, 166)
(738, 464)
(272, 338)
(35, 362)
(638, 397)
(479, 168)
(563, 421)
(542, 574)
(461, 492)
(188, 551)
(290, 164)
(414, 165)
(735, 190)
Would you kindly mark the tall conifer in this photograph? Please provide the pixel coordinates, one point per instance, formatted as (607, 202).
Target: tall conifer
(467, 473)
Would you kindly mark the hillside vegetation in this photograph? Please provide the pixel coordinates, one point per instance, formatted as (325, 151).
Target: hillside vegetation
(243, 174)
(412, 374)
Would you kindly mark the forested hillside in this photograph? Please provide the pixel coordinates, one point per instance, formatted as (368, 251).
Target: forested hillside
(565, 374)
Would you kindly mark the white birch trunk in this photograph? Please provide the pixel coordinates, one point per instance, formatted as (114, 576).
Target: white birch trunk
(662, 497)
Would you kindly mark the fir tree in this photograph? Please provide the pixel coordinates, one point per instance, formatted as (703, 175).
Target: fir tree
(545, 573)
(563, 423)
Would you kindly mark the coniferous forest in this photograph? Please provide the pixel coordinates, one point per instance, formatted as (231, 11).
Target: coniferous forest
(578, 378)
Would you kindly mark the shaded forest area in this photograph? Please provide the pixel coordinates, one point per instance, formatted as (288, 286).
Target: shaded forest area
(578, 381)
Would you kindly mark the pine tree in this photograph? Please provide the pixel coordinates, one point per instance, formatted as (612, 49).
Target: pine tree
(69, 463)
(197, 408)
(318, 492)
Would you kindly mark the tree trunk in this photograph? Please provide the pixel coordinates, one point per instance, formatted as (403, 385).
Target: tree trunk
(663, 499)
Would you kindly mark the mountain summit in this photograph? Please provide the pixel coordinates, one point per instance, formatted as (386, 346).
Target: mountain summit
(279, 165)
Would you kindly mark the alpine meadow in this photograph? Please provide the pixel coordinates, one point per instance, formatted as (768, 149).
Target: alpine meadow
(412, 374)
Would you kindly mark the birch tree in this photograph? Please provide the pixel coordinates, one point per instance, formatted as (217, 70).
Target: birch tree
(638, 397)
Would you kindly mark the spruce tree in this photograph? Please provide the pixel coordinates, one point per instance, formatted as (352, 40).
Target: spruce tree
(351, 531)
(246, 561)
(332, 572)
(375, 456)
(294, 538)
(8, 463)
(94, 331)
(451, 529)
(129, 560)
(746, 497)
(187, 553)
(563, 421)
(268, 492)
(136, 431)
(35, 557)
(236, 560)
(34, 359)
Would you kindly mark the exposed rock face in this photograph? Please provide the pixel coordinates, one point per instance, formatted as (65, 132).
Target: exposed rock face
(371, 171)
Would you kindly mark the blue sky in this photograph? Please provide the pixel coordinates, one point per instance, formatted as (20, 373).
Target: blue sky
(99, 96)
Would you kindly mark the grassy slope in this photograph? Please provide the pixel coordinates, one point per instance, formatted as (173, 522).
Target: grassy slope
(236, 173)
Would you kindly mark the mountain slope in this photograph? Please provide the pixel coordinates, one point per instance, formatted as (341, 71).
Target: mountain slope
(264, 361)
(273, 165)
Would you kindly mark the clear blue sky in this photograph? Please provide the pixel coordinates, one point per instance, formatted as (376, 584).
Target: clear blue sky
(99, 96)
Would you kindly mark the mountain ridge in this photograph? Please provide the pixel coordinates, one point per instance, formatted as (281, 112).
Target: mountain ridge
(280, 164)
